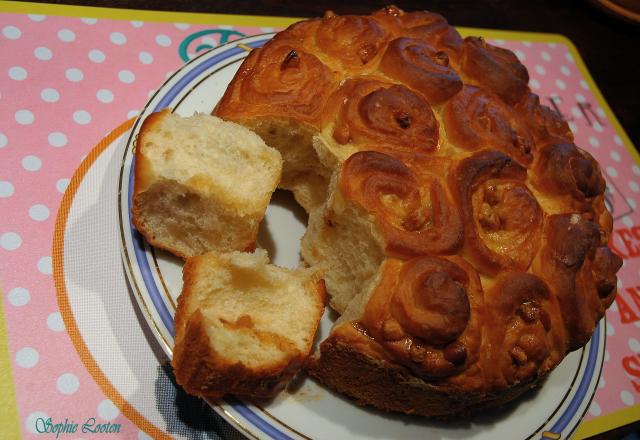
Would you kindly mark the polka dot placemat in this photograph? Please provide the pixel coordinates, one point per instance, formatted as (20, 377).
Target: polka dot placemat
(67, 81)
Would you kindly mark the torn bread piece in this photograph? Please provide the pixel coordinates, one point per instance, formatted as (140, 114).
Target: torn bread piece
(244, 326)
(201, 183)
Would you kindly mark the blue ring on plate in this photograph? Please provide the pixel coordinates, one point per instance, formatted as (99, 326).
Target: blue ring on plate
(583, 387)
(167, 319)
(139, 243)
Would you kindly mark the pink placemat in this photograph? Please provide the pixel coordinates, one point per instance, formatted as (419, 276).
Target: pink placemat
(65, 82)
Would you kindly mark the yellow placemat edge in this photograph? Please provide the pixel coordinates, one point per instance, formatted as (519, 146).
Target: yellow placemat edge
(9, 421)
(138, 14)
(611, 421)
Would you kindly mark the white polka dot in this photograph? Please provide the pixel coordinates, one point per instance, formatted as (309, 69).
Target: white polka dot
(126, 76)
(565, 70)
(546, 56)
(573, 127)
(633, 185)
(43, 53)
(137, 24)
(163, 40)
(74, 74)
(57, 139)
(39, 212)
(610, 330)
(145, 57)
(104, 95)
(97, 56)
(44, 265)
(607, 356)
(617, 140)
(37, 17)
(569, 57)
(631, 202)
(50, 95)
(89, 21)
(67, 383)
(144, 436)
(17, 73)
(19, 296)
(210, 41)
(27, 357)
(634, 345)
(561, 84)
(611, 171)
(11, 32)
(541, 70)
(627, 398)
(575, 111)
(3, 140)
(527, 43)
(598, 127)
(182, 26)
(595, 409)
(267, 30)
(118, 38)
(24, 117)
(584, 84)
(35, 422)
(151, 93)
(107, 410)
(66, 35)
(580, 97)
(600, 112)
(61, 185)
(31, 163)
(614, 305)
(6, 188)
(594, 141)
(81, 117)
(521, 56)
(10, 241)
(615, 156)
(132, 114)
(601, 382)
(635, 169)
(55, 322)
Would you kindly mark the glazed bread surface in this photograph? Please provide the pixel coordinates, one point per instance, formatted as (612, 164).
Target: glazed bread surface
(201, 183)
(244, 326)
(465, 234)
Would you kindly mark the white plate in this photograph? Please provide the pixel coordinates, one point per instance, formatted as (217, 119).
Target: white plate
(307, 410)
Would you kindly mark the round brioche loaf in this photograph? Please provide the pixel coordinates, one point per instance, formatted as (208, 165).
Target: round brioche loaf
(464, 231)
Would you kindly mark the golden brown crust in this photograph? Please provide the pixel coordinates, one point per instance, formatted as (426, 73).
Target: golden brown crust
(460, 171)
(422, 68)
(426, 313)
(476, 119)
(348, 365)
(369, 112)
(205, 372)
(496, 69)
(414, 216)
(502, 218)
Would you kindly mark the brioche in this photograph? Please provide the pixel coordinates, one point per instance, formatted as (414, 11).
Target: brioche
(201, 183)
(465, 234)
(243, 326)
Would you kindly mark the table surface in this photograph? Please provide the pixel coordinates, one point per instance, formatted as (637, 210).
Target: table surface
(606, 43)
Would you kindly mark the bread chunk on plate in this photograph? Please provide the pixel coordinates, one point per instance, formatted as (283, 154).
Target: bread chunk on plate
(201, 183)
(244, 326)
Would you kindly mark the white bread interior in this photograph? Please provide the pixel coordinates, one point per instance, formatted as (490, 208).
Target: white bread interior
(201, 183)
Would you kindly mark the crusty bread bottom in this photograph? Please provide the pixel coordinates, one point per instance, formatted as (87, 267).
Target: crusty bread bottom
(390, 387)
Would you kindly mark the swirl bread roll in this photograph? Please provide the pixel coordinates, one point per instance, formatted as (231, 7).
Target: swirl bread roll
(464, 234)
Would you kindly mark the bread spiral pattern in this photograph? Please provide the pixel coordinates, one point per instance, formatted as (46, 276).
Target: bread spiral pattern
(425, 312)
(465, 235)
(415, 216)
